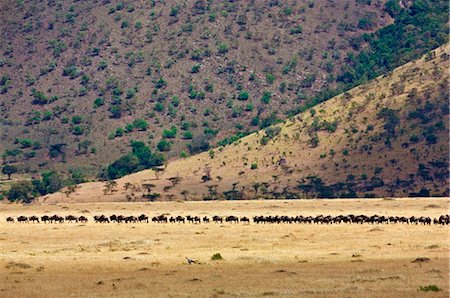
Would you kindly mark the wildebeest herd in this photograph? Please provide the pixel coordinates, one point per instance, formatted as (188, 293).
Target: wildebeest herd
(320, 219)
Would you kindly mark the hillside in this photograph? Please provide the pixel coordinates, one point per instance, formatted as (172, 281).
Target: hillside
(80, 79)
(388, 137)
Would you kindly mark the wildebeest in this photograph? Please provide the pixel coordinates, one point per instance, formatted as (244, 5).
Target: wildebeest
(217, 219)
(10, 219)
(101, 219)
(33, 218)
(82, 219)
(22, 219)
(232, 219)
(245, 219)
(205, 219)
(142, 218)
(71, 218)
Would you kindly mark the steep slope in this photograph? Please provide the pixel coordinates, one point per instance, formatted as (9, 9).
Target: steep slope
(76, 74)
(388, 137)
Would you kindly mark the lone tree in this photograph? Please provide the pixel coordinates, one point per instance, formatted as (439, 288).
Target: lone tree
(110, 187)
(70, 190)
(9, 170)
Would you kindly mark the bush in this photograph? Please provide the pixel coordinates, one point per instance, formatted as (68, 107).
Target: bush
(140, 158)
(222, 48)
(164, 145)
(170, 133)
(266, 97)
(430, 288)
(77, 130)
(254, 166)
(243, 95)
(140, 124)
(21, 191)
(217, 257)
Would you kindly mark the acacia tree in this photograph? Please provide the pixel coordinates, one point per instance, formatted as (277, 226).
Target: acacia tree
(70, 189)
(9, 170)
(110, 187)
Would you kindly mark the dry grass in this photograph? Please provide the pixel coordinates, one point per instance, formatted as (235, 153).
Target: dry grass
(258, 260)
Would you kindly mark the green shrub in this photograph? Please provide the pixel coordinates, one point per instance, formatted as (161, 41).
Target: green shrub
(216, 257)
(430, 288)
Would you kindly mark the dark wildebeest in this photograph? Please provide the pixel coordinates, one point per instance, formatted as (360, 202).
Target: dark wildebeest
(101, 219)
(180, 218)
(82, 219)
(245, 220)
(232, 219)
(55, 218)
(33, 218)
(206, 219)
(71, 218)
(10, 219)
(45, 218)
(22, 219)
(142, 218)
(217, 219)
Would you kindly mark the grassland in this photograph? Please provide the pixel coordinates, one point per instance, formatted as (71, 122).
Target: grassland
(148, 260)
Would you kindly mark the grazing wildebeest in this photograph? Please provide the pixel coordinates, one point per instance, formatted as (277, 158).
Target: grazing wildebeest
(245, 220)
(206, 219)
(33, 218)
(22, 219)
(142, 218)
(101, 219)
(131, 219)
(10, 219)
(113, 218)
(82, 219)
(160, 219)
(232, 219)
(172, 219)
(71, 218)
(180, 218)
(45, 218)
(55, 218)
(217, 219)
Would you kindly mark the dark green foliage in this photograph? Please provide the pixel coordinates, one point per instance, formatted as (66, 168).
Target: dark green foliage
(71, 71)
(395, 45)
(40, 98)
(98, 102)
(140, 124)
(392, 7)
(21, 191)
(164, 145)
(77, 119)
(391, 119)
(170, 133)
(77, 130)
(265, 98)
(430, 288)
(233, 138)
(9, 170)
(243, 95)
(140, 158)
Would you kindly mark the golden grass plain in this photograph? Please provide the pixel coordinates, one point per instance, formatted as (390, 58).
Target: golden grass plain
(296, 260)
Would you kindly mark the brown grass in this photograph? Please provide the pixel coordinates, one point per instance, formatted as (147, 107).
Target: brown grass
(258, 260)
